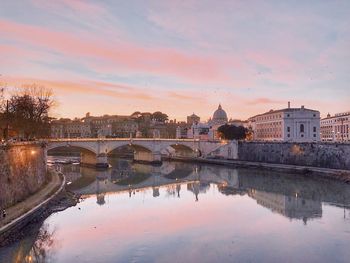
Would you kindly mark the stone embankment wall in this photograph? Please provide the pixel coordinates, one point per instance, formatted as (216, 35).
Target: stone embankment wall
(326, 155)
(22, 171)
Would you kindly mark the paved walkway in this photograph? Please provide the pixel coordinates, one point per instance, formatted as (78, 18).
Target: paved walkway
(20, 208)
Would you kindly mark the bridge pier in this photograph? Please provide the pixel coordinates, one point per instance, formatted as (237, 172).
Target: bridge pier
(94, 160)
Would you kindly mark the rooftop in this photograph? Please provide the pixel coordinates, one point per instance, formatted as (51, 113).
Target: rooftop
(283, 110)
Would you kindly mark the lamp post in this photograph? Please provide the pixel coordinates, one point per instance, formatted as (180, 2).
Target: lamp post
(6, 130)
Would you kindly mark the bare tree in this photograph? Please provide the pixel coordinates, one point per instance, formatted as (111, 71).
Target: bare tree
(2, 97)
(29, 109)
(2, 110)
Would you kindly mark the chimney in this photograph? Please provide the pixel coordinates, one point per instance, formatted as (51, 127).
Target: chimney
(288, 104)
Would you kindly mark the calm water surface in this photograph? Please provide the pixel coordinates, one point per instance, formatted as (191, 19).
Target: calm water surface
(192, 213)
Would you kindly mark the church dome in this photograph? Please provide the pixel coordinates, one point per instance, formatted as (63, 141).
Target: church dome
(220, 115)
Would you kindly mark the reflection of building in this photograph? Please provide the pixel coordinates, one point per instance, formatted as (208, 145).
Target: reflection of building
(101, 199)
(155, 191)
(198, 187)
(289, 124)
(336, 128)
(178, 189)
(289, 206)
(101, 191)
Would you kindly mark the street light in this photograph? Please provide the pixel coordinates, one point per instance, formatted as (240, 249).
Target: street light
(6, 130)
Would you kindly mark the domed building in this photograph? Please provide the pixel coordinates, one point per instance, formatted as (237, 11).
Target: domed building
(203, 131)
(219, 117)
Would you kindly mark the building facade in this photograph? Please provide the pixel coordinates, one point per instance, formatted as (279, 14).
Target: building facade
(193, 119)
(66, 128)
(203, 130)
(289, 124)
(336, 128)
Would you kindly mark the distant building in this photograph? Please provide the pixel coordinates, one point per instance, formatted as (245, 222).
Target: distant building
(102, 126)
(289, 124)
(193, 119)
(336, 128)
(66, 128)
(219, 117)
(203, 130)
(124, 128)
(181, 130)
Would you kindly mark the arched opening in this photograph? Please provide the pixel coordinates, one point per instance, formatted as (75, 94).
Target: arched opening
(136, 152)
(126, 151)
(302, 128)
(68, 151)
(69, 154)
(180, 150)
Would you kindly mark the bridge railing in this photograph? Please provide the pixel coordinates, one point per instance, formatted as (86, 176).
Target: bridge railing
(124, 139)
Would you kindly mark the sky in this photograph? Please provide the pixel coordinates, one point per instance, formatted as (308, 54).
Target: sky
(179, 57)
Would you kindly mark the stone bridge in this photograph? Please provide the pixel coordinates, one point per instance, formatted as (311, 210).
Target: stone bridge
(94, 151)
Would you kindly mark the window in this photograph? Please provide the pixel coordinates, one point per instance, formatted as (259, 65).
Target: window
(288, 135)
(288, 129)
(302, 128)
(314, 129)
(314, 135)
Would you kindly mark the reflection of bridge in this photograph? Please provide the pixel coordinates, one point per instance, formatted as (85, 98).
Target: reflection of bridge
(295, 198)
(95, 151)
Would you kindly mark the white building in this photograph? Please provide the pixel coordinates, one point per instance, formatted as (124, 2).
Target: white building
(336, 128)
(203, 131)
(219, 117)
(289, 124)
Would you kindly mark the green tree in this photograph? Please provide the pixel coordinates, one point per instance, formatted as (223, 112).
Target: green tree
(232, 132)
(159, 116)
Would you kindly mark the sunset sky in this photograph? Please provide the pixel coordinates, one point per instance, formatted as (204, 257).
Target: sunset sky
(180, 57)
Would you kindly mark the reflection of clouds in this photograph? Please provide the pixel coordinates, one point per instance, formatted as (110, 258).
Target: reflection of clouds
(269, 186)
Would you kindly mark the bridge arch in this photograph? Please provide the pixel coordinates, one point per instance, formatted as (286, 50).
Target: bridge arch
(182, 150)
(134, 146)
(81, 148)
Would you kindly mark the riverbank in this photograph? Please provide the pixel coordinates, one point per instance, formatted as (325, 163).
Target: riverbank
(336, 174)
(52, 197)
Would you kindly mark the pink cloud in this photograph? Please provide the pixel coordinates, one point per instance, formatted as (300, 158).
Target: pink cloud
(115, 55)
(79, 6)
(264, 101)
(83, 87)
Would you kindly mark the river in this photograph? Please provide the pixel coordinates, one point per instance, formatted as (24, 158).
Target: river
(182, 212)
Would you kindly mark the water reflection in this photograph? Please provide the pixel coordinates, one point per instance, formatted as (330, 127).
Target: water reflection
(290, 195)
(38, 246)
(142, 213)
